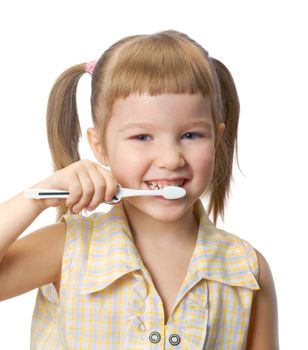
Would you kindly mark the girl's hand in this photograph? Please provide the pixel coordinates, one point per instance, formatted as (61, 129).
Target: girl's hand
(89, 185)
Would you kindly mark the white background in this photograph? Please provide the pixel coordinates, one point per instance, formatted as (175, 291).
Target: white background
(263, 43)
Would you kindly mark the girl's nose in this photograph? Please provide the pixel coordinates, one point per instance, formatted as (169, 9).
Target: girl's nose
(169, 156)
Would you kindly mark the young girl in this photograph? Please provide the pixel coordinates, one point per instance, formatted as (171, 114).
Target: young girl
(152, 273)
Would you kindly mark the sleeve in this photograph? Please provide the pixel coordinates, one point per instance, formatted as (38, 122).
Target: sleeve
(252, 259)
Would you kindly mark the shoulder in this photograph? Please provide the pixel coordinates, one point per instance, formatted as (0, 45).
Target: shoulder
(263, 328)
(78, 225)
(81, 219)
(81, 230)
(233, 245)
(265, 275)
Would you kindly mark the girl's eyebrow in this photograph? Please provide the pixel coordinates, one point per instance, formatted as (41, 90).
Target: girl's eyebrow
(199, 123)
(136, 126)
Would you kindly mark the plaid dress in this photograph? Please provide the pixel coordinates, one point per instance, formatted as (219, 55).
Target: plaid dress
(107, 298)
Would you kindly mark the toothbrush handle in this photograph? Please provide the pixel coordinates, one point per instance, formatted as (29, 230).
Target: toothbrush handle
(39, 193)
(43, 193)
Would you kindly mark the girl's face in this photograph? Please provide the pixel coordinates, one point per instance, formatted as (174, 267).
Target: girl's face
(155, 141)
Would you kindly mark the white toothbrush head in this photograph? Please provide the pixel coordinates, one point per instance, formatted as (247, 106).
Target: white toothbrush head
(173, 192)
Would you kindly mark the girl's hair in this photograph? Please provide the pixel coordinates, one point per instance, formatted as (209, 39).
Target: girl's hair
(164, 62)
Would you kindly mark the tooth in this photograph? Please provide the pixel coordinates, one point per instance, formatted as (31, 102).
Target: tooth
(154, 185)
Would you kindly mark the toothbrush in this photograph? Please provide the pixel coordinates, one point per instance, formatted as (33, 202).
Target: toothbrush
(169, 192)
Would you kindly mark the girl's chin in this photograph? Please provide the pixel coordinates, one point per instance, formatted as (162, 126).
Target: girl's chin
(158, 208)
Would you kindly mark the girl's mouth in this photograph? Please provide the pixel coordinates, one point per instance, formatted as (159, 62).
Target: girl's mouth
(160, 184)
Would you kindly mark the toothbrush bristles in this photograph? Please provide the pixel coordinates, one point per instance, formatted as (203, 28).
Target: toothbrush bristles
(173, 192)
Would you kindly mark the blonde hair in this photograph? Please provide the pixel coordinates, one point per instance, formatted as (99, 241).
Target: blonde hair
(164, 62)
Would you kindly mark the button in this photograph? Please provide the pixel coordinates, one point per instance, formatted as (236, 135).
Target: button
(154, 337)
(174, 339)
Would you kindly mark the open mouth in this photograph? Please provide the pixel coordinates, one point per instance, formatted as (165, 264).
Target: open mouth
(160, 184)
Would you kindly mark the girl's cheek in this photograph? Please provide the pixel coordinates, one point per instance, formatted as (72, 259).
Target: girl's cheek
(129, 170)
(205, 164)
(204, 156)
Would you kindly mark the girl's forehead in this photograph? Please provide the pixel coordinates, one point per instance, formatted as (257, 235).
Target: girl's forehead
(147, 106)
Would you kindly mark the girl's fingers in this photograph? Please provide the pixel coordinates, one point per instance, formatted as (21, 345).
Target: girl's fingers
(92, 185)
(76, 192)
(89, 185)
(100, 184)
(111, 183)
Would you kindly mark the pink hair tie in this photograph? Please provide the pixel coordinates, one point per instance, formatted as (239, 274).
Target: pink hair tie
(90, 67)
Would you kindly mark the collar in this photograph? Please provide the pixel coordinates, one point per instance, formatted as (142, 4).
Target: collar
(112, 252)
(217, 256)
(221, 256)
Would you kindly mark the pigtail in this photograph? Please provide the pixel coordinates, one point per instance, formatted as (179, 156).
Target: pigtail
(227, 144)
(63, 127)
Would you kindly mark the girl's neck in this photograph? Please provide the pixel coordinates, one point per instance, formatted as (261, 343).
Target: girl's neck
(149, 231)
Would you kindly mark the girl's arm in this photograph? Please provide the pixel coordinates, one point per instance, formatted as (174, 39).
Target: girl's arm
(33, 260)
(263, 328)
(16, 215)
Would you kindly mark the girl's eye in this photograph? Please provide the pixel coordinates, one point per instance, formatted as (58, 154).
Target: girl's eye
(192, 135)
(142, 137)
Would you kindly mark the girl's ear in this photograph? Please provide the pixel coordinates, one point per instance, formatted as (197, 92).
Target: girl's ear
(221, 128)
(96, 146)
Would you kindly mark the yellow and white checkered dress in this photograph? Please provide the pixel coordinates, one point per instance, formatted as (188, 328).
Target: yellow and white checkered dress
(108, 300)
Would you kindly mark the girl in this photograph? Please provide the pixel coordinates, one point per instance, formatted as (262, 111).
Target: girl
(151, 273)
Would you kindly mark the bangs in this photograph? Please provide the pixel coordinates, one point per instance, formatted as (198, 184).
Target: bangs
(159, 64)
